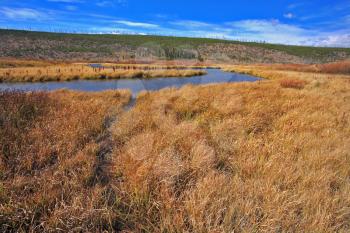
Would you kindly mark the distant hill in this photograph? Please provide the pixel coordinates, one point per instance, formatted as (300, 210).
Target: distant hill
(88, 47)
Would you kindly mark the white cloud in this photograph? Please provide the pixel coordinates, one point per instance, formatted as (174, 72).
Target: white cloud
(289, 15)
(191, 24)
(337, 40)
(136, 24)
(22, 13)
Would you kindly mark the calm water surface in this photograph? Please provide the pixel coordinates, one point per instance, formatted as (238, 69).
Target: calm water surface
(135, 85)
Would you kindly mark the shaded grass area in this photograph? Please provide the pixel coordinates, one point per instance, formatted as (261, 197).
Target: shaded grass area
(100, 43)
(82, 71)
(49, 147)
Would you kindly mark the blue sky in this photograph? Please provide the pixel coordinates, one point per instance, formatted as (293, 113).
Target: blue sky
(321, 23)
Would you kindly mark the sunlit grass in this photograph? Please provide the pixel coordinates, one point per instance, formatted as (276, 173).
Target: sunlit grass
(340, 67)
(269, 156)
(83, 71)
(247, 157)
(12, 63)
(49, 145)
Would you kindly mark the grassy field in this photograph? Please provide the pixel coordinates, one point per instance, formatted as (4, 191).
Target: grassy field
(110, 47)
(69, 72)
(51, 155)
(269, 156)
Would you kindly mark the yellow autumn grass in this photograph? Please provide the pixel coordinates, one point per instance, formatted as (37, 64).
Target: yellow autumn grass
(269, 156)
(245, 157)
(83, 71)
(12, 62)
(159, 65)
(51, 148)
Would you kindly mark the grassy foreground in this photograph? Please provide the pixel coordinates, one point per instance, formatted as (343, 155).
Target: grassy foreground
(51, 149)
(270, 156)
(69, 72)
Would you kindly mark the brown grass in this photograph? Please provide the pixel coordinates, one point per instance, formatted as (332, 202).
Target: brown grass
(49, 147)
(82, 71)
(340, 67)
(244, 157)
(292, 83)
(335, 68)
(12, 63)
(237, 158)
(160, 66)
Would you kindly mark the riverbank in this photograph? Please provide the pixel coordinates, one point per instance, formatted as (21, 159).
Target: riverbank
(71, 72)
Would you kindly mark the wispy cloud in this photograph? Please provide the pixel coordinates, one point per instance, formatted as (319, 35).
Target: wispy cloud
(106, 3)
(191, 24)
(71, 8)
(136, 24)
(67, 1)
(296, 5)
(22, 13)
(289, 15)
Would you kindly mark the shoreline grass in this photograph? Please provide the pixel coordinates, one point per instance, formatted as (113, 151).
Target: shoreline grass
(335, 68)
(85, 72)
(16, 63)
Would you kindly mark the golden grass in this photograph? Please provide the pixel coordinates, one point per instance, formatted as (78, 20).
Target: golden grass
(239, 157)
(12, 63)
(247, 157)
(340, 67)
(82, 71)
(292, 83)
(157, 66)
(49, 160)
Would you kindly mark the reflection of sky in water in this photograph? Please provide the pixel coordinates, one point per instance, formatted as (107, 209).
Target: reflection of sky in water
(135, 85)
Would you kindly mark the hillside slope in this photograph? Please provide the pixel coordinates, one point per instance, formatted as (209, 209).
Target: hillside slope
(60, 46)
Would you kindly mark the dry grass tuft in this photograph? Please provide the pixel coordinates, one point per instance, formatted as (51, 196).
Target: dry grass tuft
(292, 83)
